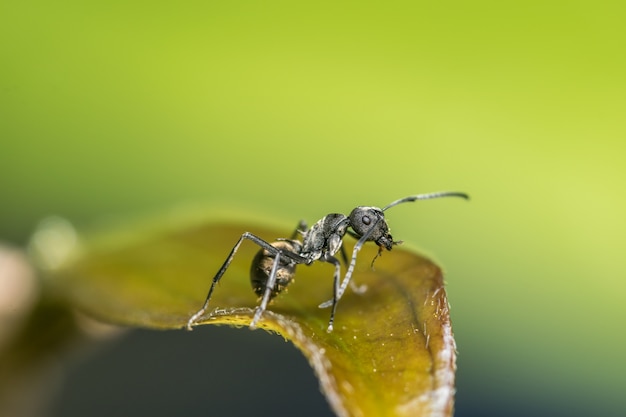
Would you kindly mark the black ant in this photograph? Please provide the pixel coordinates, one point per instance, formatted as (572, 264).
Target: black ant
(274, 265)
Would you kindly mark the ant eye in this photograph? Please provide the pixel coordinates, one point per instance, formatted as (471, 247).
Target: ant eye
(366, 220)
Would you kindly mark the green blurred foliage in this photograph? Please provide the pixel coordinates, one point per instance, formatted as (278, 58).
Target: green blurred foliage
(299, 109)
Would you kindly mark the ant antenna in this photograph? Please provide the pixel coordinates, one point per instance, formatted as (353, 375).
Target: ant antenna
(426, 197)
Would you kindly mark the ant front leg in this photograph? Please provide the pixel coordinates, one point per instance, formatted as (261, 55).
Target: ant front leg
(249, 236)
(355, 252)
(358, 289)
(336, 279)
(348, 276)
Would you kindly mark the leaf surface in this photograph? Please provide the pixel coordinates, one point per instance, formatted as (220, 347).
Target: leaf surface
(392, 352)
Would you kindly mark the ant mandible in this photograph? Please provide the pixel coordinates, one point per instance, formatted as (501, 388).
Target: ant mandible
(274, 266)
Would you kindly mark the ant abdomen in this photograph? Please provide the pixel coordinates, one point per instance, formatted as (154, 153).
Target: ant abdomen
(261, 267)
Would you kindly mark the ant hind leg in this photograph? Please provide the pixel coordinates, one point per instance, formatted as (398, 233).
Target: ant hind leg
(246, 236)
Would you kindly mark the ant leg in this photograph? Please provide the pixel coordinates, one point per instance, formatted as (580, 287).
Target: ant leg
(265, 245)
(336, 279)
(355, 252)
(344, 256)
(300, 230)
(348, 276)
(358, 289)
(269, 287)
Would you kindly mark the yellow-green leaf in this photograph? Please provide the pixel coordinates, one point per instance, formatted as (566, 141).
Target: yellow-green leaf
(392, 352)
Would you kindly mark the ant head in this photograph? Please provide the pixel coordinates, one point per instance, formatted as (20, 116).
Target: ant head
(370, 222)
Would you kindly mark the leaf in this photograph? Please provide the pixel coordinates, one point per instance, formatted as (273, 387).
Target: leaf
(392, 352)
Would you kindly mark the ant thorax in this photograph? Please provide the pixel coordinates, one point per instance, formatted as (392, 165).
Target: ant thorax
(324, 237)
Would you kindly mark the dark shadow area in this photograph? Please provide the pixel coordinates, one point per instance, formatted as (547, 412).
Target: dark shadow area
(212, 371)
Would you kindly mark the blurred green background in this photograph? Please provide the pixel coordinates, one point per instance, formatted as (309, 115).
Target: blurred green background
(297, 109)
